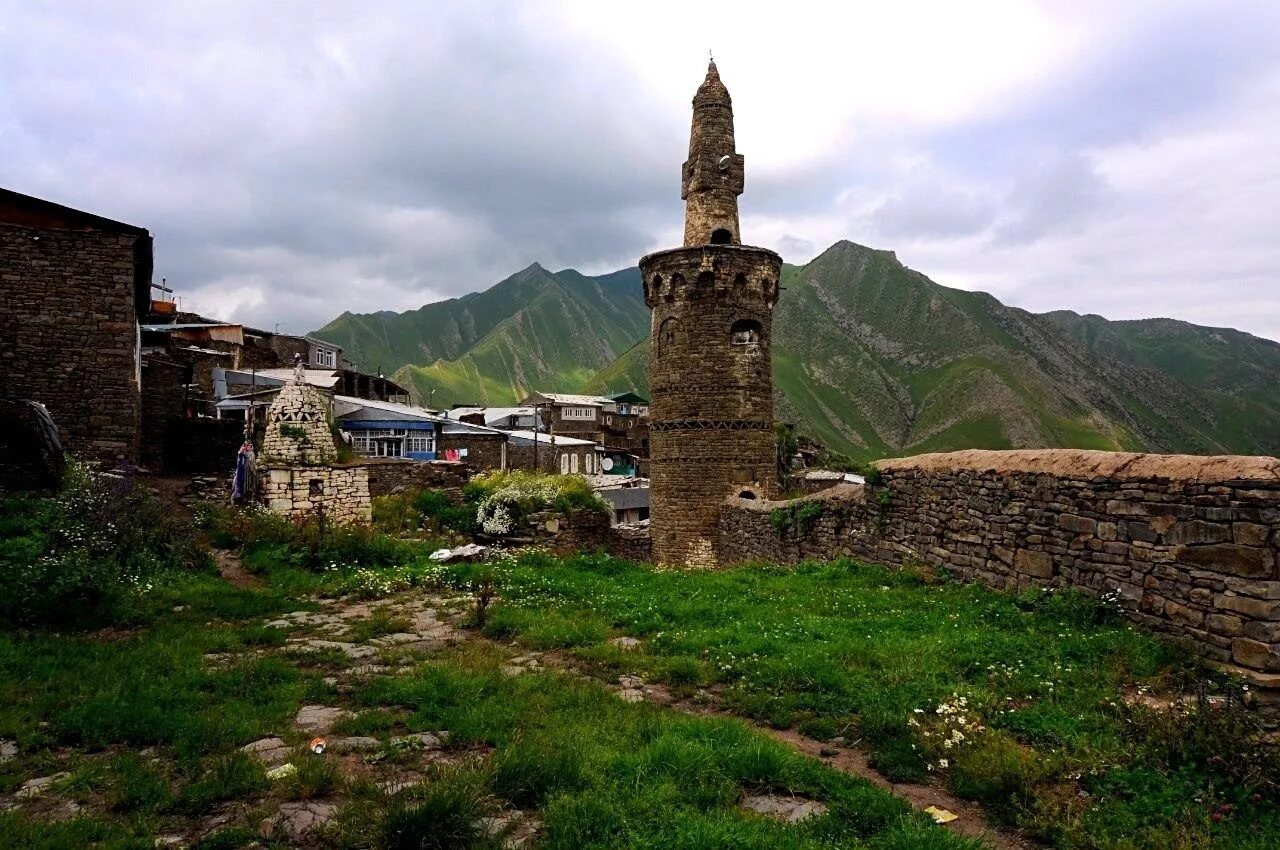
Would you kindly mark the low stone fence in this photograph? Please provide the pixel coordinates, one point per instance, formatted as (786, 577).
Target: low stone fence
(394, 475)
(1189, 542)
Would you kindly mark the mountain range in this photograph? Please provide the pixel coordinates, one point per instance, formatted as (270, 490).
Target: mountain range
(870, 358)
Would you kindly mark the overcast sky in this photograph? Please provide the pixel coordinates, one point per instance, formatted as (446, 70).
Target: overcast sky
(295, 160)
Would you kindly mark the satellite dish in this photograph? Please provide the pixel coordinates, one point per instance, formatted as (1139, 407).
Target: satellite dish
(607, 464)
(725, 162)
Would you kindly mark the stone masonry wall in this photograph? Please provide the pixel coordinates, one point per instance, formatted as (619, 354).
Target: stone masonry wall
(484, 451)
(1190, 543)
(391, 475)
(342, 492)
(69, 334)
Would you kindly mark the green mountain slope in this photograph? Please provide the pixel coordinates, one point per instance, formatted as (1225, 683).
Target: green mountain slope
(534, 330)
(870, 357)
(605, 315)
(1237, 373)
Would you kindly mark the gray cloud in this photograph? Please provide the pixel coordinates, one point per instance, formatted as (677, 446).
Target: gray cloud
(296, 161)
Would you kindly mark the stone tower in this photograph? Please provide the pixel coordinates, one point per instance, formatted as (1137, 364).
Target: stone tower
(711, 418)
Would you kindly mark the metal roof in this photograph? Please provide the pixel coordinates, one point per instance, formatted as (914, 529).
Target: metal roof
(541, 439)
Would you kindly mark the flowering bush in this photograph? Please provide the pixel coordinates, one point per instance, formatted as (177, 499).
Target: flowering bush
(952, 727)
(72, 558)
(504, 499)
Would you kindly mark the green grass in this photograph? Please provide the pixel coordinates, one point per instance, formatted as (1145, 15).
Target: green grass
(858, 651)
(150, 729)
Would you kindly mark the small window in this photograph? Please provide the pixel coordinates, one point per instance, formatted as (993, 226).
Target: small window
(326, 357)
(668, 332)
(745, 332)
(720, 236)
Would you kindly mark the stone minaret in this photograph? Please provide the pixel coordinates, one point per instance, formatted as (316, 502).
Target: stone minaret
(711, 418)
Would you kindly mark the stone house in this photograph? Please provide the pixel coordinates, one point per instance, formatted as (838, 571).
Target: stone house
(73, 285)
(553, 453)
(618, 422)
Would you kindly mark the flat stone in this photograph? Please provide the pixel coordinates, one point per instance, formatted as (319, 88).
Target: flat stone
(269, 751)
(354, 651)
(367, 669)
(419, 741)
(1256, 654)
(628, 644)
(355, 744)
(39, 785)
(396, 639)
(631, 695)
(319, 719)
(1033, 563)
(295, 820)
(514, 828)
(783, 808)
(169, 841)
(631, 681)
(8, 750)
(1246, 561)
(279, 624)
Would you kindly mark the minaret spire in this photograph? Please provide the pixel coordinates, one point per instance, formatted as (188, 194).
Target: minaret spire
(712, 176)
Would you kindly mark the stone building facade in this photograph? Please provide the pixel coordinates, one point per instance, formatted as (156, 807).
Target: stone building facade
(711, 416)
(1190, 544)
(73, 285)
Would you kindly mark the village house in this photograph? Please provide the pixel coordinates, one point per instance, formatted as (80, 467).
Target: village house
(618, 423)
(73, 286)
(380, 429)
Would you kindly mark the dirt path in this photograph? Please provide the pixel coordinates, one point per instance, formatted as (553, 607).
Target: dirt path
(970, 820)
(231, 569)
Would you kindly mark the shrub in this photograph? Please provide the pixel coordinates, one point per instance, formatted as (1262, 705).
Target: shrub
(230, 777)
(998, 771)
(76, 557)
(527, 773)
(445, 815)
(313, 543)
(504, 499)
(801, 516)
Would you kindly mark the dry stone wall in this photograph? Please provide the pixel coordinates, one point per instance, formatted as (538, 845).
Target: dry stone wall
(395, 475)
(341, 493)
(1190, 543)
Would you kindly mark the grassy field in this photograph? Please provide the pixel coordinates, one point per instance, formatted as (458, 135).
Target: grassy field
(1048, 709)
(1044, 690)
(139, 724)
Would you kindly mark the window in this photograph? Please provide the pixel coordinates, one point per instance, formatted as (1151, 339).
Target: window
(745, 332)
(564, 464)
(326, 357)
(422, 441)
(668, 332)
(573, 464)
(721, 236)
(578, 413)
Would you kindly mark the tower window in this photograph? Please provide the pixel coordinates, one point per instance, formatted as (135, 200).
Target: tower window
(667, 333)
(720, 236)
(745, 332)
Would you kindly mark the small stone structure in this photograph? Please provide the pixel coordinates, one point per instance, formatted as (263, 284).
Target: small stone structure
(296, 465)
(1191, 544)
(298, 427)
(711, 417)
